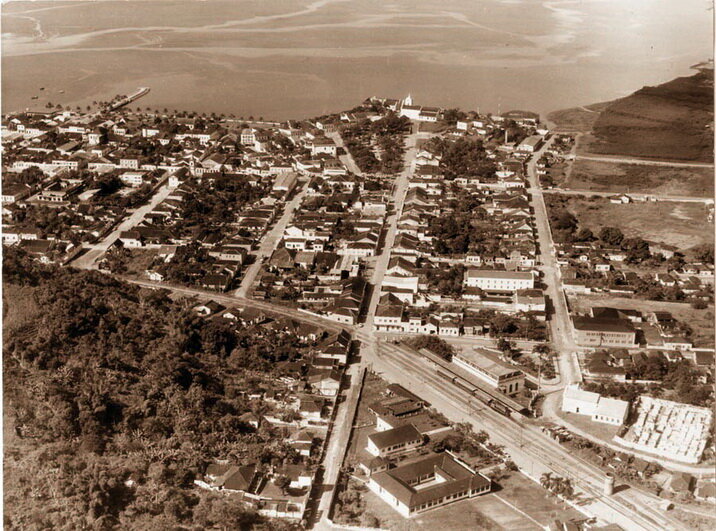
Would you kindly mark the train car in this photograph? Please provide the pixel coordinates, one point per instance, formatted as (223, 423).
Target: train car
(499, 407)
(465, 386)
(447, 376)
(502, 404)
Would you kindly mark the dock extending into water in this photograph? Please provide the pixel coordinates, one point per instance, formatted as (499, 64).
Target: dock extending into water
(142, 91)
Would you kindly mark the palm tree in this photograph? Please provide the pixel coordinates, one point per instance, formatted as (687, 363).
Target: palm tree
(568, 489)
(545, 480)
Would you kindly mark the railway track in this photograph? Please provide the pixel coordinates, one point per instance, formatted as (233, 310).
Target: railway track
(538, 446)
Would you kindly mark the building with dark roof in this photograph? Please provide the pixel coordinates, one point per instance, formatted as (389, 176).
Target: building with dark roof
(394, 441)
(427, 483)
(599, 332)
(231, 477)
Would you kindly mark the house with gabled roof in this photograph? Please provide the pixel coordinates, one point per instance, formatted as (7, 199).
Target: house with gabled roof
(427, 483)
(394, 441)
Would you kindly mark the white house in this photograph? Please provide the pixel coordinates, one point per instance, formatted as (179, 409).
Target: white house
(601, 409)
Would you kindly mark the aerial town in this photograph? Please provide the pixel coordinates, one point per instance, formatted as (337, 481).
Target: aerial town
(419, 326)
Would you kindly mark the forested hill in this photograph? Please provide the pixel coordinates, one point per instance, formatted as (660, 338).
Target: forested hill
(671, 121)
(115, 398)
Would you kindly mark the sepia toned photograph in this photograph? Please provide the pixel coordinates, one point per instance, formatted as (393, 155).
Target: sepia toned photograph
(382, 265)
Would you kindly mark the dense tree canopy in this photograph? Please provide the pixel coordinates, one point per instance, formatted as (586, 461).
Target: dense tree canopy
(462, 157)
(118, 397)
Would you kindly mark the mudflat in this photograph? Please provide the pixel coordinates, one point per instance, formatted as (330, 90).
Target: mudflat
(296, 59)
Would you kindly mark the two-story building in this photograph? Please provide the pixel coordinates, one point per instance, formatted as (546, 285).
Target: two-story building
(490, 369)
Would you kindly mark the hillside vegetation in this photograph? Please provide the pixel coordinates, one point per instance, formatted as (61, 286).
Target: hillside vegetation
(115, 399)
(670, 121)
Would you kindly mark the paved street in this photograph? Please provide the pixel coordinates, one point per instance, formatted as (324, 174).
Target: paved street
(338, 442)
(88, 259)
(400, 190)
(269, 243)
(229, 300)
(346, 158)
(340, 437)
(560, 324)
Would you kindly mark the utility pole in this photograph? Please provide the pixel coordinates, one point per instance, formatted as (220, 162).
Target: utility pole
(539, 373)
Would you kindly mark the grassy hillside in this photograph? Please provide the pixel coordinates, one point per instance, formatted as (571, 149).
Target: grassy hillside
(576, 119)
(670, 121)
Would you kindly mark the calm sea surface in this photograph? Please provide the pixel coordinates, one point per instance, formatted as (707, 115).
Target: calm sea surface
(292, 59)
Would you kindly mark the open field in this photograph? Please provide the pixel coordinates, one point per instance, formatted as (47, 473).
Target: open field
(618, 177)
(683, 225)
(364, 424)
(139, 261)
(700, 321)
(604, 432)
(491, 511)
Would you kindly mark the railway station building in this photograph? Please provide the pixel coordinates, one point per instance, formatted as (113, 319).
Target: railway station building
(492, 370)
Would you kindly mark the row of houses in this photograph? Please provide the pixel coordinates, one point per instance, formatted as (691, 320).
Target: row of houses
(297, 407)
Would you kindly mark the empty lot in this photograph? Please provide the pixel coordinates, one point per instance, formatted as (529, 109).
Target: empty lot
(681, 224)
(615, 177)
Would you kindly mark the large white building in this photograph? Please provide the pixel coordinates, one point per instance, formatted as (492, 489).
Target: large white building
(601, 409)
(285, 182)
(530, 144)
(394, 441)
(497, 280)
(323, 145)
(417, 112)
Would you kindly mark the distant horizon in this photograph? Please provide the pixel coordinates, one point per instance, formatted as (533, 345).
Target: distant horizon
(311, 58)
